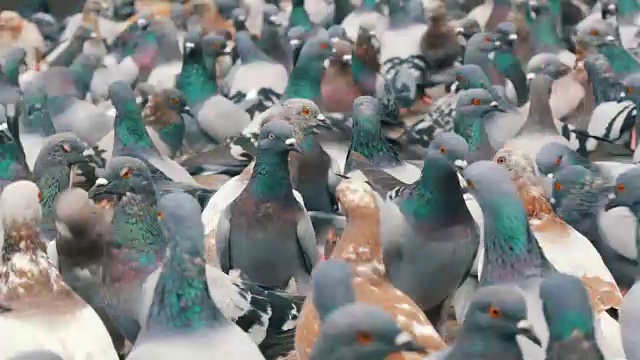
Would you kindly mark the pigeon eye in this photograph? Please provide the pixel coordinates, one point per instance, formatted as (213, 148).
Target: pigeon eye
(494, 312)
(175, 101)
(324, 45)
(364, 337)
(442, 150)
(476, 102)
(595, 32)
(39, 195)
(620, 187)
(160, 215)
(65, 147)
(306, 111)
(271, 136)
(629, 90)
(469, 184)
(126, 173)
(501, 160)
(559, 160)
(215, 46)
(487, 39)
(459, 77)
(558, 186)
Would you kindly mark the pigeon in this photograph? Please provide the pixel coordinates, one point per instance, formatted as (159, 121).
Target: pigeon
(306, 76)
(137, 246)
(164, 116)
(496, 316)
(439, 44)
(30, 279)
(251, 216)
(65, 53)
(271, 40)
(632, 83)
(60, 161)
(11, 156)
(512, 255)
(216, 115)
(193, 326)
(18, 31)
(568, 313)
(539, 128)
(368, 141)
(336, 284)
(434, 202)
(546, 39)
(365, 17)
(130, 138)
(361, 331)
(268, 317)
(505, 61)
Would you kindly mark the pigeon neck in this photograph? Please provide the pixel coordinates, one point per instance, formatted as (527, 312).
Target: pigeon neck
(247, 49)
(563, 324)
(55, 179)
(511, 251)
(181, 297)
(172, 135)
(367, 140)
(546, 38)
(540, 118)
(360, 72)
(604, 90)
(479, 342)
(11, 73)
(195, 80)
(129, 130)
(507, 64)
(305, 79)
(59, 104)
(436, 197)
(299, 16)
(37, 117)
(360, 240)
(12, 165)
(270, 178)
(621, 61)
(473, 131)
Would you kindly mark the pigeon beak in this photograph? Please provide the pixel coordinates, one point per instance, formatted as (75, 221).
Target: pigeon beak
(610, 38)
(274, 19)
(295, 42)
(513, 37)
(454, 87)
(492, 55)
(227, 50)
(346, 59)
(112, 112)
(552, 200)
(323, 122)
(460, 164)
(405, 342)
(494, 104)
(459, 30)
(292, 145)
(326, 63)
(530, 76)
(622, 96)
(526, 329)
(187, 110)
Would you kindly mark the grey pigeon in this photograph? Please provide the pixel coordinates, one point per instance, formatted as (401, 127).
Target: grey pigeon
(194, 326)
(570, 318)
(429, 220)
(361, 331)
(512, 255)
(253, 234)
(495, 317)
(332, 287)
(453, 146)
(137, 246)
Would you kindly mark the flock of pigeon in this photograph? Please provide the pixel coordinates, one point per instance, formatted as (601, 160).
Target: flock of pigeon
(324, 180)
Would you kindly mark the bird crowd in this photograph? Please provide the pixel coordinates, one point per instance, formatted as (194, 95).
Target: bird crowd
(320, 180)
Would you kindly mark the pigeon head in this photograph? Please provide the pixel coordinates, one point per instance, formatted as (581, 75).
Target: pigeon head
(566, 307)
(366, 114)
(238, 17)
(548, 64)
(627, 190)
(82, 227)
(468, 27)
(608, 9)
(332, 287)
(597, 65)
(123, 97)
(277, 136)
(505, 34)
(63, 149)
(337, 32)
(356, 197)
(179, 217)
(568, 180)
(500, 310)
(84, 33)
(296, 36)
(595, 33)
(367, 42)
(271, 15)
(482, 177)
(470, 76)
(552, 157)
(480, 44)
(165, 102)
(453, 146)
(20, 206)
(475, 103)
(316, 48)
(519, 164)
(631, 88)
(215, 45)
(305, 114)
(362, 331)
(192, 46)
(123, 175)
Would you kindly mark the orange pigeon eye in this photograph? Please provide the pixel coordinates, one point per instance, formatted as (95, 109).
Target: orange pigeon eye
(306, 111)
(364, 337)
(494, 312)
(558, 186)
(442, 150)
(469, 184)
(620, 187)
(126, 173)
(559, 160)
(629, 90)
(175, 101)
(487, 39)
(595, 32)
(476, 102)
(39, 196)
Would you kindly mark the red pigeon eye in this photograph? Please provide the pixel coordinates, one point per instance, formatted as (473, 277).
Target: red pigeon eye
(558, 186)
(487, 39)
(324, 45)
(620, 187)
(459, 77)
